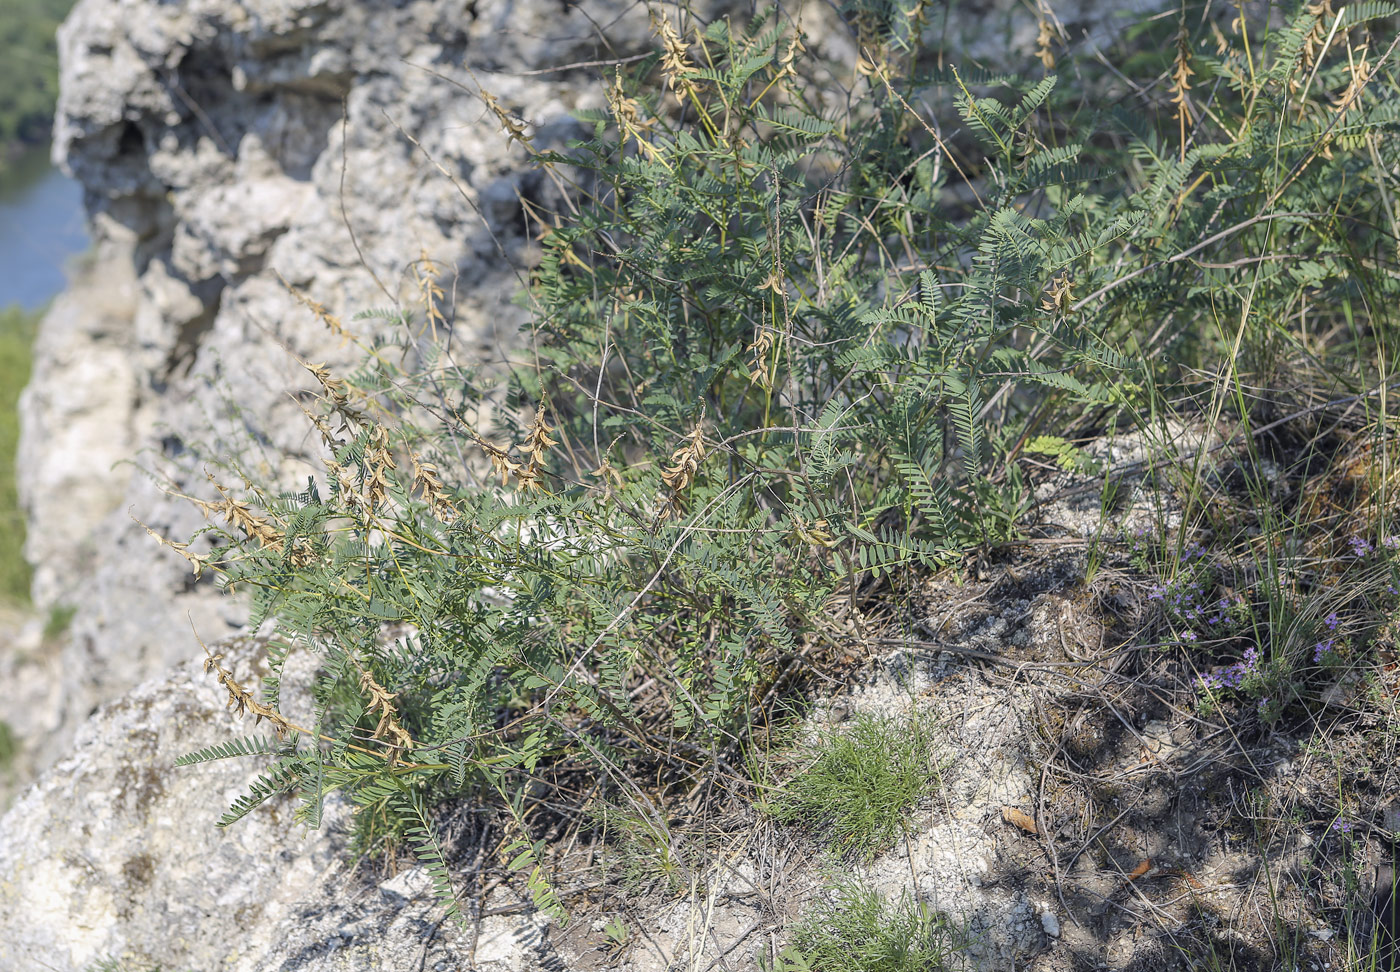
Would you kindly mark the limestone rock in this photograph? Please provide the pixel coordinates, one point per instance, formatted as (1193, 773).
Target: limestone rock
(113, 852)
(77, 419)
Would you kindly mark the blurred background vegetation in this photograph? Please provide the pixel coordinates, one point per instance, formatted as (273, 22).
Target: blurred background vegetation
(28, 70)
(28, 93)
(16, 336)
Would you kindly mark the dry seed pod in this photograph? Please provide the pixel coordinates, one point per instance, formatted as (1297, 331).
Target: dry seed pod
(1186, 876)
(1023, 820)
(1143, 867)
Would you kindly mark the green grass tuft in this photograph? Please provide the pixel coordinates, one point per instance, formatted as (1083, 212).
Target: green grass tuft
(859, 931)
(862, 783)
(60, 617)
(9, 745)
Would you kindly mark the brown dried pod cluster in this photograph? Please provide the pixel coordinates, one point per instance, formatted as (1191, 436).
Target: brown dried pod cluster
(382, 702)
(428, 484)
(1020, 819)
(675, 61)
(529, 474)
(241, 701)
(684, 464)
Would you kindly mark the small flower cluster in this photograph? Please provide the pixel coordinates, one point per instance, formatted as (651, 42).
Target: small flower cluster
(1183, 598)
(1233, 676)
(1327, 646)
(1360, 546)
(1185, 601)
(1340, 826)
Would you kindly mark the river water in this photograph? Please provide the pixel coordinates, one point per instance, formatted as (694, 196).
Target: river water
(41, 229)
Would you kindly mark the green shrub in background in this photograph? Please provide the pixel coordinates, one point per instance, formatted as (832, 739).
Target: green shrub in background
(785, 347)
(16, 338)
(28, 69)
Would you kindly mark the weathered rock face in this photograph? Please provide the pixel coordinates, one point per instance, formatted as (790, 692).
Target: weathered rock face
(113, 854)
(96, 859)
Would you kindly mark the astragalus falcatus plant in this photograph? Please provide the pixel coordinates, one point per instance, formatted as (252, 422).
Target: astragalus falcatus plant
(789, 338)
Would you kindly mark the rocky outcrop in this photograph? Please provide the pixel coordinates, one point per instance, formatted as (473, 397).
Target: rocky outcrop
(226, 146)
(96, 860)
(113, 855)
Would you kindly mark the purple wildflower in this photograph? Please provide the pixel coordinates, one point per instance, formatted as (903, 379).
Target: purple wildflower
(1331, 621)
(1233, 676)
(1360, 546)
(1323, 649)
